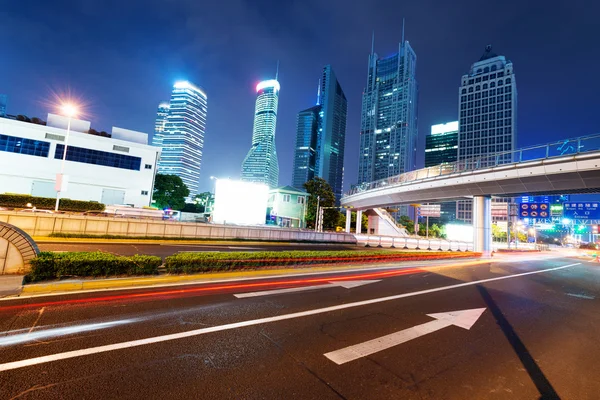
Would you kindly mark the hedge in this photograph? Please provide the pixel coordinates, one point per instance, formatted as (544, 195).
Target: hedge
(49, 265)
(204, 262)
(20, 201)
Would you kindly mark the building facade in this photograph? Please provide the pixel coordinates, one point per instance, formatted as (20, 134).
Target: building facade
(3, 99)
(441, 146)
(116, 168)
(260, 164)
(182, 138)
(286, 207)
(159, 125)
(321, 136)
(487, 115)
(388, 135)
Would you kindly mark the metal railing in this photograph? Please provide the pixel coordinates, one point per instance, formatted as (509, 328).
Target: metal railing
(565, 147)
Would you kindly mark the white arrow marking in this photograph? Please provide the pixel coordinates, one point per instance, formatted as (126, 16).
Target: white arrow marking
(344, 284)
(464, 319)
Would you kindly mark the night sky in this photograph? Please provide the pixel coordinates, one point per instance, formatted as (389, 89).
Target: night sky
(122, 57)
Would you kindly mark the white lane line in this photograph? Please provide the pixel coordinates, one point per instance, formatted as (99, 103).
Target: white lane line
(461, 318)
(133, 343)
(581, 296)
(344, 284)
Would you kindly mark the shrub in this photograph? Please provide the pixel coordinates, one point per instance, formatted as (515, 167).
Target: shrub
(203, 262)
(48, 265)
(20, 201)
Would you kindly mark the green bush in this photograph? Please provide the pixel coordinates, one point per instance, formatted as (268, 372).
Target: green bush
(48, 265)
(204, 262)
(20, 201)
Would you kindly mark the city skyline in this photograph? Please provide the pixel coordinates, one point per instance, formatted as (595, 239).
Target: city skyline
(151, 59)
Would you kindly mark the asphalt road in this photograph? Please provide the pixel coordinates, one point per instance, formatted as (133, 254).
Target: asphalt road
(534, 329)
(167, 249)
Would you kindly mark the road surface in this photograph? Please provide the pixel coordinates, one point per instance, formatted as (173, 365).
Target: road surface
(167, 249)
(516, 328)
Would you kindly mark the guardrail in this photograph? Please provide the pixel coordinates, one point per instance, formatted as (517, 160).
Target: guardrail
(435, 244)
(578, 145)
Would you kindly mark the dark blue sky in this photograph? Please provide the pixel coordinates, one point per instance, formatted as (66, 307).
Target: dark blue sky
(122, 58)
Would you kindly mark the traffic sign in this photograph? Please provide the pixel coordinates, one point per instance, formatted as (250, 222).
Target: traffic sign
(534, 210)
(430, 210)
(583, 210)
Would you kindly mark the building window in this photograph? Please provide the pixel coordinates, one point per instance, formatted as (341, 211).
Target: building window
(508, 81)
(88, 156)
(148, 166)
(144, 193)
(14, 144)
(121, 148)
(464, 91)
(300, 199)
(286, 198)
(55, 137)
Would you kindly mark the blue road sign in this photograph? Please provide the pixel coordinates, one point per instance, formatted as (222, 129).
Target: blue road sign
(582, 210)
(534, 210)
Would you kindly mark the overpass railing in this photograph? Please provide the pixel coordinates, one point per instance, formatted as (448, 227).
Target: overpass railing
(555, 149)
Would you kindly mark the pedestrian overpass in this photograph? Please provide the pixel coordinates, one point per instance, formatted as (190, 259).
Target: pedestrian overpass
(570, 166)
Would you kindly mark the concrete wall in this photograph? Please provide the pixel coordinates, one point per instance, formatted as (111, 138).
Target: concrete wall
(11, 261)
(45, 224)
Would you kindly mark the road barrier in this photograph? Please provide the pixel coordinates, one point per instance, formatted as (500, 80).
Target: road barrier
(17, 249)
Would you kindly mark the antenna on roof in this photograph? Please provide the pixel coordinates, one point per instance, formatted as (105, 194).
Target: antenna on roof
(277, 72)
(373, 42)
(402, 31)
(319, 93)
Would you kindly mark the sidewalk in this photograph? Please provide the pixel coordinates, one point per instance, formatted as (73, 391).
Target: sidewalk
(167, 280)
(10, 285)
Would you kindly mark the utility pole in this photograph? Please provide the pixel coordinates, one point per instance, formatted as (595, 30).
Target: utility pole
(317, 215)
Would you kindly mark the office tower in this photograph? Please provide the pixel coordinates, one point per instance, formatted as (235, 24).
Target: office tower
(260, 165)
(488, 115)
(2, 105)
(182, 139)
(388, 135)
(159, 124)
(321, 136)
(441, 147)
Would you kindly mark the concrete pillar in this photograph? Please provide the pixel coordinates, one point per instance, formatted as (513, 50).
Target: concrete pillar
(348, 219)
(482, 225)
(358, 222)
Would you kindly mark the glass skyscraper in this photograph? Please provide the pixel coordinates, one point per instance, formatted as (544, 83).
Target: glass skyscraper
(321, 136)
(261, 165)
(182, 138)
(159, 124)
(388, 135)
(441, 146)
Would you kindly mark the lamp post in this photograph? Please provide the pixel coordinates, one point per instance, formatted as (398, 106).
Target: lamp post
(70, 111)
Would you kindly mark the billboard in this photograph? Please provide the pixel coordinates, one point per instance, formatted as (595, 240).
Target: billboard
(429, 210)
(534, 210)
(241, 203)
(581, 210)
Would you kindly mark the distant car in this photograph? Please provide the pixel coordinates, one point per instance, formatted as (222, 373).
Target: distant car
(35, 210)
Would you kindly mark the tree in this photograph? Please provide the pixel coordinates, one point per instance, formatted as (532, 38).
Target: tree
(320, 192)
(342, 221)
(408, 223)
(169, 192)
(203, 200)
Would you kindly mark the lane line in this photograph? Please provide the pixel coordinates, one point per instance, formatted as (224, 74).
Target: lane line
(344, 284)
(157, 339)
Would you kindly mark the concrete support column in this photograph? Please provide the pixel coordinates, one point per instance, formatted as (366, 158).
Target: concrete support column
(348, 219)
(482, 225)
(358, 222)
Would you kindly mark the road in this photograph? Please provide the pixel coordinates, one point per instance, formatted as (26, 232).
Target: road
(167, 249)
(530, 331)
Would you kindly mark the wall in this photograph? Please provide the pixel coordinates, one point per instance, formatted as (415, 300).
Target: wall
(18, 172)
(44, 225)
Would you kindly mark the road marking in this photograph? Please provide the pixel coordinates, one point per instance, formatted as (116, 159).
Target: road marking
(581, 296)
(463, 318)
(243, 248)
(157, 339)
(37, 319)
(344, 284)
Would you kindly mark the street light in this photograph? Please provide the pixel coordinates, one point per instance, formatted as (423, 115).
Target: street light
(70, 111)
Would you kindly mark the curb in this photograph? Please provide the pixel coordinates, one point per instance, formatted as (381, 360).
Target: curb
(51, 240)
(144, 282)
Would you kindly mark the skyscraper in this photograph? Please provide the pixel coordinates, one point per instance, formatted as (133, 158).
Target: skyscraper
(441, 146)
(260, 165)
(159, 124)
(2, 105)
(388, 135)
(182, 139)
(321, 136)
(488, 115)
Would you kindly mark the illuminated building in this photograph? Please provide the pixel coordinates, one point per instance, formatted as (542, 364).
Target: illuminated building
(488, 115)
(260, 165)
(159, 124)
(321, 136)
(442, 144)
(182, 138)
(114, 168)
(388, 134)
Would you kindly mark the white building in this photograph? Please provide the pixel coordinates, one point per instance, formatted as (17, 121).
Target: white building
(112, 170)
(488, 116)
